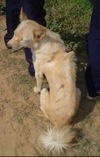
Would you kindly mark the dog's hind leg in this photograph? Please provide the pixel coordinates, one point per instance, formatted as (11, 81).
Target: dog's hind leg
(44, 101)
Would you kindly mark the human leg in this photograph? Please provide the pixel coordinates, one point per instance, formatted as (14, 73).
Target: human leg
(12, 18)
(34, 9)
(12, 21)
(92, 75)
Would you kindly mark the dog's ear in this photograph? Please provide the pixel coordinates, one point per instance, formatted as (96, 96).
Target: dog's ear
(22, 15)
(38, 34)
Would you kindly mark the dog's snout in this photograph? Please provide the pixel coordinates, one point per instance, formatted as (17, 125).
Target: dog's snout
(9, 46)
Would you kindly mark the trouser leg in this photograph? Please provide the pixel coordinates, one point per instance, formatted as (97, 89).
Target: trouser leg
(34, 9)
(12, 18)
(92, 75)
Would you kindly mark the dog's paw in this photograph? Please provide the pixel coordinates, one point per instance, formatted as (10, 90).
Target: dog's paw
(44, 91)
(36, 90)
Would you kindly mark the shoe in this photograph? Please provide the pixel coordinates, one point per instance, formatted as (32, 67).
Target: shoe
(93, 97)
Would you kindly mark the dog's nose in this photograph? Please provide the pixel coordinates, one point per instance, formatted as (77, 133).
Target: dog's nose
(9, 46)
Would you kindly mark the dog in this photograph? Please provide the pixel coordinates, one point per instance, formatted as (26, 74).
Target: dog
(60, 103)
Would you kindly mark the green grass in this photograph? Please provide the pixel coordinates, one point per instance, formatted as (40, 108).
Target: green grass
(70, 16)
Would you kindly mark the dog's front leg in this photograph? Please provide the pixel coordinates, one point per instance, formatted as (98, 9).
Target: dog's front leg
(39, 78)
(45, 101)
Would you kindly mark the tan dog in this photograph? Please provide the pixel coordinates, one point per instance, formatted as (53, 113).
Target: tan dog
(49, 58)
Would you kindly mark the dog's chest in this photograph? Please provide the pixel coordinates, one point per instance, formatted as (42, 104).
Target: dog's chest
(45, 53)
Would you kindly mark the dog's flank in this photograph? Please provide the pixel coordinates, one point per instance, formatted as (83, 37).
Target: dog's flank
(59, 104)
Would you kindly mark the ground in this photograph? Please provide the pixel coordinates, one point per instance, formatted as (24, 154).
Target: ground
(22, 121)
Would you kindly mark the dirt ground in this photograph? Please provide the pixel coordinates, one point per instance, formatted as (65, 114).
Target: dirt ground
(21, 120)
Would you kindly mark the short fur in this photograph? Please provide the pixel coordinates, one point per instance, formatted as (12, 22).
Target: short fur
(49, 58)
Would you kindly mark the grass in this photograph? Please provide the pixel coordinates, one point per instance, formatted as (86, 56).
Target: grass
(70, 18)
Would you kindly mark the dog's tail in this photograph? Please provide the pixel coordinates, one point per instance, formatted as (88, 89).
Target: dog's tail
(57, 140)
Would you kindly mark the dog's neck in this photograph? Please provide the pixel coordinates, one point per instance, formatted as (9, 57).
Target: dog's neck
(48, 45)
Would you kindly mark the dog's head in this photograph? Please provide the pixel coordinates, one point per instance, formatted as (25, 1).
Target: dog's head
(27, 34)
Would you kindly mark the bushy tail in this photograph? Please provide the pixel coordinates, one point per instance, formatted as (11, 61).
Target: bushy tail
(57, 140)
